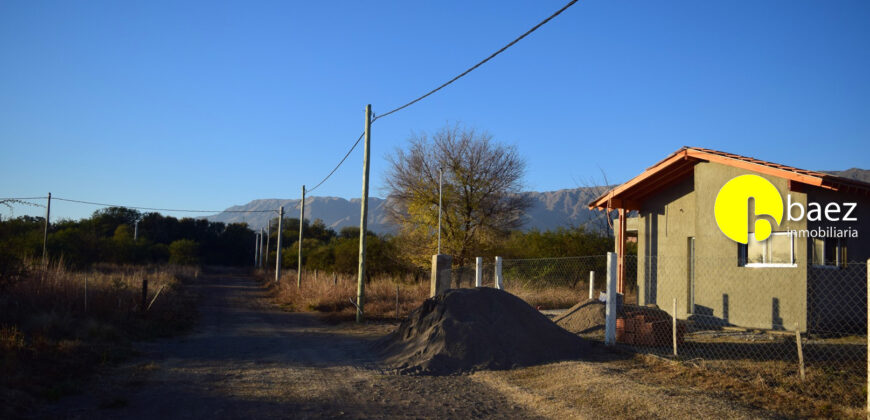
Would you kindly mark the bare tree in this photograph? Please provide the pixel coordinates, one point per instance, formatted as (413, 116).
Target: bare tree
(481, 200)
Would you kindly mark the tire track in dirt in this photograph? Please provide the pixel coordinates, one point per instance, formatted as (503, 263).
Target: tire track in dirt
(249, 359)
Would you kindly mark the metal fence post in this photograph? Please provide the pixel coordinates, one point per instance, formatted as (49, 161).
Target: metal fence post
(144, 294)
(591, 284)
(499, 280)
(610, 308)
(478, 271)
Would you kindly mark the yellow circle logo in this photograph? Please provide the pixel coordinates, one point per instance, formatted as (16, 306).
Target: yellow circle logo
(731, 209)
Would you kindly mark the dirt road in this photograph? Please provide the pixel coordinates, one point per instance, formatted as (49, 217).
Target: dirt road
(249, 359)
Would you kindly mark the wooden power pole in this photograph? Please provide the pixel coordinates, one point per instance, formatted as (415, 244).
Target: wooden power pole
(268, 239)
(256, 249)
(301, 220)
(45, 234)
(360, 285)
(278, 251)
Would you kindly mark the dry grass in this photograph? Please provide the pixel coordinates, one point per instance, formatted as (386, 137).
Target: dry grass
(50, 339)
(770, 385)
(551, 297)
(835, 382)
(333, 298)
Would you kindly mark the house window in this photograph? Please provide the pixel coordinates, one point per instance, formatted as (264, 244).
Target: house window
(775, 251)
(828, 252)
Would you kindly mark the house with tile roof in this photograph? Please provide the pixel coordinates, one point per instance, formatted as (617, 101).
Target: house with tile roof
(799, 277)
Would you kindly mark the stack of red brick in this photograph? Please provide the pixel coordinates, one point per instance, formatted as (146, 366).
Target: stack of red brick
(647, 327)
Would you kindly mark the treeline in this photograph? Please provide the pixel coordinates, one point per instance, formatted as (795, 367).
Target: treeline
(108, 236)
(324, 249)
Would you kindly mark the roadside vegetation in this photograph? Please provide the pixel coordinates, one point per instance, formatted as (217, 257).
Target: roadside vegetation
(55, 331)
(333, 295)
(108, 237)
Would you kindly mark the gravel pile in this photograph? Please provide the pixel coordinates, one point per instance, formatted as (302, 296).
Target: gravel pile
(583, 318)
(465, 330)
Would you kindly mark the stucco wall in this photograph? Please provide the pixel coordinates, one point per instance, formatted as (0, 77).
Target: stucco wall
(723, 292)
(665, 222)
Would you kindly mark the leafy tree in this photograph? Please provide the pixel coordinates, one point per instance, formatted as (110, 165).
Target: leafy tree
(561, 242)
(481, 200)
(184, 251)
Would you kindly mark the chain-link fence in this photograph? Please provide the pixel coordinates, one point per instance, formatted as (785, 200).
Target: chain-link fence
(802, 327)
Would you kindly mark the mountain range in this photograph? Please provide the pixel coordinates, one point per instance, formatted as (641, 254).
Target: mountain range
(549, 210)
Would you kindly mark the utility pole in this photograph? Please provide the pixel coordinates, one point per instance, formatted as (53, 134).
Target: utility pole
(440, 184)
(262, 265)
(45, 235)
(278, 251)
(256, 248)
(360, 284)
(301, 220)
(268, 239)
(136, 230)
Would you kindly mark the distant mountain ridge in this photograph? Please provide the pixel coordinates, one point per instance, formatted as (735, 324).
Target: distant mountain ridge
(862, 175)
(549, 210)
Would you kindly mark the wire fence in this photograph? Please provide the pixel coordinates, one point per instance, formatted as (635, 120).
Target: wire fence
(801, 327)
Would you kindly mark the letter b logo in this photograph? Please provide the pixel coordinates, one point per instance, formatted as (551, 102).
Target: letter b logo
(732, 207)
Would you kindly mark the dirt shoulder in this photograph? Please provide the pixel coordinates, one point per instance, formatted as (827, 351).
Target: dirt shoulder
(248, 358)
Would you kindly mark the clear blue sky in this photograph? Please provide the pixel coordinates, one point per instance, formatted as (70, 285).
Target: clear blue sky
(210, 104)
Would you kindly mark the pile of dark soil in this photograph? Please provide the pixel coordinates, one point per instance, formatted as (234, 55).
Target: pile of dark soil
(465, 330)
(583, 318)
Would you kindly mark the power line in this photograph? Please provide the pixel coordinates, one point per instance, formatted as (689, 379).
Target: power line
(472, 68)
(159, 209)
(339, 163)
(22, 198)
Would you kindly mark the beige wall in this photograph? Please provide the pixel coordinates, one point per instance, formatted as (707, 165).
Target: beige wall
(723, 292)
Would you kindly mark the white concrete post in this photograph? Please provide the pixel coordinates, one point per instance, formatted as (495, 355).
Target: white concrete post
(441, 274)
(478, 272)
(499, 280)
(610, 308)
(591, 284)
(800, 350)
